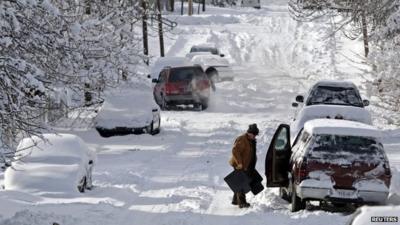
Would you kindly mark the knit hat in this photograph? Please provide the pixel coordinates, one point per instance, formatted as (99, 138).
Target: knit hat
(253, 129)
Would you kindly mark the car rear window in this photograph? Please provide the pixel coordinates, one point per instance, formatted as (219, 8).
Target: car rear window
(335, 96)
(181, 74)
(346, 147)
(213, 51)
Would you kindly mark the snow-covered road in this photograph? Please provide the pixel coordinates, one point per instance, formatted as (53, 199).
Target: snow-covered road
(176, 177)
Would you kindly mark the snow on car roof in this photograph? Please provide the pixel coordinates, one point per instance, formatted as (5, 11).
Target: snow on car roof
(52, 146)
(335, 83)
(204, 45)
(168, 61)
(341, 127)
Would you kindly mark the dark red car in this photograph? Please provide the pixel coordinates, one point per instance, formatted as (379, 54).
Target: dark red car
(335, 161)
(182, 86)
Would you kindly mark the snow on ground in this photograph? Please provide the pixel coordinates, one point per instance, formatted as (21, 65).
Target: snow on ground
(176, 177)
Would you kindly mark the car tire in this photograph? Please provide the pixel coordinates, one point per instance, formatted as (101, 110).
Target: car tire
(164, 103)
(283, 194)
(297, 202)
(204, 104)
(150, 129)
(82, 185)
(213, 77)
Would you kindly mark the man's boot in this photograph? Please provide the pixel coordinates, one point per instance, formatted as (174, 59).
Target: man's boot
(241, 197)
(234, 199)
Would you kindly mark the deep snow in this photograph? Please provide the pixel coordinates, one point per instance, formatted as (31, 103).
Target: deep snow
(176, 177)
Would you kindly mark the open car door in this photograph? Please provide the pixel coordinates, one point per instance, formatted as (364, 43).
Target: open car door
(278, 156)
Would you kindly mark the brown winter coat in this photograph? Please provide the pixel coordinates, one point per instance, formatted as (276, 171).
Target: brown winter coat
(242, 153)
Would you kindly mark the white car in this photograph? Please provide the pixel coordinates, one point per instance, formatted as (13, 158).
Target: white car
(370, 215)
(129, 110)
(332, 92)
(251, 3)
(330, 99)
(216, 68)
(59, 163)
(163, 62)
(205, 48)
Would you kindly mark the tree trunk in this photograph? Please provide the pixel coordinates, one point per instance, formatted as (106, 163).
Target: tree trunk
(204, 5)
(144, 31)
(182, 7)
(365, 33)
(160, 29)
(172, 5)
(190, 6)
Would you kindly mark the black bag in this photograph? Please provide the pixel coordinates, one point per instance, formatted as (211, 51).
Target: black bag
(238, 181)
(255, 184)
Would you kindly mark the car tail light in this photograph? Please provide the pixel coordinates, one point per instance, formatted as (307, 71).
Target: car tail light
(303, 173)
(171, 89)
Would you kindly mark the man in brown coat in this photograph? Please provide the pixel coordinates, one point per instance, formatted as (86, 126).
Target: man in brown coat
(244, 158)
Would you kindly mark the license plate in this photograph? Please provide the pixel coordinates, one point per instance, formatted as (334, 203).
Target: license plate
(340, 193)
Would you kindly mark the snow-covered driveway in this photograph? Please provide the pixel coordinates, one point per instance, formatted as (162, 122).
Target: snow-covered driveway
(176, 177)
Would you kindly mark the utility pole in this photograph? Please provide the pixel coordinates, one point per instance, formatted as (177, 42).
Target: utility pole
(190, 6)
(182, 7)
(160, 29)
(204, 5)
(144, 31)
(365, 32)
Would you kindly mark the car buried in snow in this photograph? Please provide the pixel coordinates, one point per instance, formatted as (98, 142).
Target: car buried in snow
(331, 92)
(54, 163)
(129, 110)
(187, 85)
(330, 160)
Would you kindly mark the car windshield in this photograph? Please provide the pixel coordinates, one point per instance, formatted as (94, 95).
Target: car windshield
(182, 74)
(335, 96)
(213, 51)
(329, 147)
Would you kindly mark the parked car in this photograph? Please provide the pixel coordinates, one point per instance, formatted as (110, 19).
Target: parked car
(129, 110)
(369, 215)
(251, 3)
(182, 85)
(332, 93)
(335, 161)
(216, 68)
(56, 163)
(205, 48)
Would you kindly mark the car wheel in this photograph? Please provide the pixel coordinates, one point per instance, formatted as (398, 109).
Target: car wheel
(283, 194)
(157, 131)
(213, 76)
(164, 104)
(82, 185)
(297, 202)
(204, 104)
(198, 106)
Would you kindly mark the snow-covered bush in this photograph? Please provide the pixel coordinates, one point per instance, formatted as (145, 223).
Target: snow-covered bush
(52, 50)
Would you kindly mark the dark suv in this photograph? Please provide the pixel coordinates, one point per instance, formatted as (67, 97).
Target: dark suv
(335, 161)
(182, 86)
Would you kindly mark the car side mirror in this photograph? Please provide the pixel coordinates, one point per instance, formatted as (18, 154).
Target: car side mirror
(365, 102)
(295, 104)
(222, 55)
(299, 98)
(154, 80)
